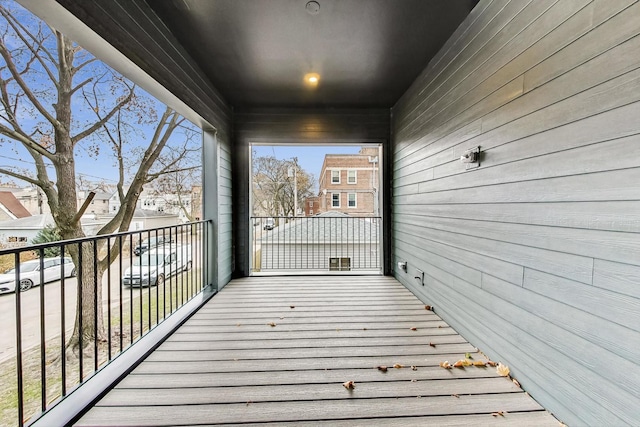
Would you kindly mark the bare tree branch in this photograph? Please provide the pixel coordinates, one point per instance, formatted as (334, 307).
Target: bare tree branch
(19, 176)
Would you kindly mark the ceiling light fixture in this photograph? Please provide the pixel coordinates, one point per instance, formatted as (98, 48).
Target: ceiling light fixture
(312, 79)
(313, 8)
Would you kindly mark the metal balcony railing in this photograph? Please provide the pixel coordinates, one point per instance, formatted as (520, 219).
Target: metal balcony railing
(126, 284)
(327, 243)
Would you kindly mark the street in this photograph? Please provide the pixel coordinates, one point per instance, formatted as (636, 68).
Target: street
(30, 310)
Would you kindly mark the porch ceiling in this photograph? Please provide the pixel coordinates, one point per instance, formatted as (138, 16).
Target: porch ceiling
(256, 52)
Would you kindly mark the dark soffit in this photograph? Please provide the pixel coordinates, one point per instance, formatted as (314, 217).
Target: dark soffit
(367, 52)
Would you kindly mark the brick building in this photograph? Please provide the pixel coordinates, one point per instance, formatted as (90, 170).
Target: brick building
(348, 183)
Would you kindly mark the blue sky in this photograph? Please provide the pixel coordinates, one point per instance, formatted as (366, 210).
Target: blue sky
(310, 158)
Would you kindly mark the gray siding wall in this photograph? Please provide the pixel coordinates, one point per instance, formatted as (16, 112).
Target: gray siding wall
(534, 257)
(278, 126)
(225, 213)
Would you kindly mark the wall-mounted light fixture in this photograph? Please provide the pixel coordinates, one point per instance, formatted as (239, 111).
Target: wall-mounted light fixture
(471, 158)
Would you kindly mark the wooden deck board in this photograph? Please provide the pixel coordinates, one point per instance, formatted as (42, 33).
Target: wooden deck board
(226, 365)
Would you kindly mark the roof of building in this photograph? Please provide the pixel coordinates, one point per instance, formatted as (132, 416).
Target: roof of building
(13, 205)
(34, 222)
(326, 228)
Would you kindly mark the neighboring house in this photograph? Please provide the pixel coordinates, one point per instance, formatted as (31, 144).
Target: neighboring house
(21, 231)
(99, 204)
(10, 207)
(348, 183)
(331, 241)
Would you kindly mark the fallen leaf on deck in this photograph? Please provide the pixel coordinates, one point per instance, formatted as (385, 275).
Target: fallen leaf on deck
(479, 363)
(414, 328)
(272, 324)
(459, 364)
(515, 381)
(427, 307)
(398, 366)
(432, 344)
(445, 365)
(414, 368)
(491, 363)
(382, 368)
(349, 385)
(468, 356)
(466, 362)
(413, 381)
(498, 414)
(502, 370)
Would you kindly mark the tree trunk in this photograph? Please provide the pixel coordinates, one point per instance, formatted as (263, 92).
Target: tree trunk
(89, 323)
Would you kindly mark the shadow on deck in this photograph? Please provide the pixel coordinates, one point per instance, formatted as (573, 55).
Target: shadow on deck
(229, 365)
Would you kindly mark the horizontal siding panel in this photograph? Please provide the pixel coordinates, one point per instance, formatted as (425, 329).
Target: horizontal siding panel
(621, 153)
(612, 306)
(512, 273)
(562, 264)
(613, 246)
(605, 186)
(611, 216)
(617, 277)
(614, 31)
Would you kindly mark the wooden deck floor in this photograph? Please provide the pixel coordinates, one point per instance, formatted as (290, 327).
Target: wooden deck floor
(227, 365)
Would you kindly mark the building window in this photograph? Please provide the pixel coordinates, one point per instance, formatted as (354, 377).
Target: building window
(351, 200)
(339, 264)
(335, 200)
(352, 177)
(335, 177)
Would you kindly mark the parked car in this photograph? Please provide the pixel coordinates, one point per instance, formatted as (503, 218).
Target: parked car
(150, 243)
(269, 223)
(154, 266)
(30, 274)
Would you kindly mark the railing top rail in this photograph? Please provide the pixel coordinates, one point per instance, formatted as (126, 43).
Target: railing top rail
(68, 242)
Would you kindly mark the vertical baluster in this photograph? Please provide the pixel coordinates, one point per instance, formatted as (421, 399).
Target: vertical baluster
(131, 289)
(109, 298)
(63, 347)
(20, 384)
(43, 354)
(95, 305)
(80, 326)
(120, 299)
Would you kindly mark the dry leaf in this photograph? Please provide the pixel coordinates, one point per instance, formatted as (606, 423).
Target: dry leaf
(499, 413)
(459, 364)
(502, 370)
(491, 363)
(427, 307)
(414, 368)
(398, 366)
(414, 328)
(479, 363)
(382, 368)
(468, 356)
(445, 365)
(272, 324)
(466, 362)
(515, 381)
(432, 345)
(413, 381)
(349, 385)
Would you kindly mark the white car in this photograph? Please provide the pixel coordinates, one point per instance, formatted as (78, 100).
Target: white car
(30, 273)
(152, 267)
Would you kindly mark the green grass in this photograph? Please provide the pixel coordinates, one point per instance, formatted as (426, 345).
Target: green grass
(159, 301)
